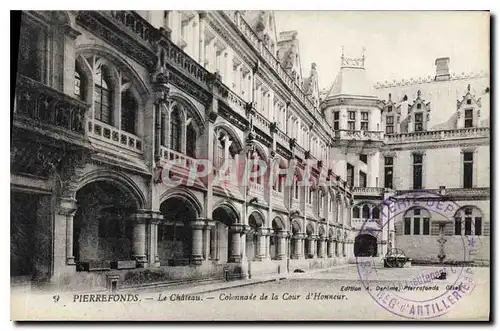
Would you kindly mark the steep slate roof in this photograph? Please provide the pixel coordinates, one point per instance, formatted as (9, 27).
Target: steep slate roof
(351, 80)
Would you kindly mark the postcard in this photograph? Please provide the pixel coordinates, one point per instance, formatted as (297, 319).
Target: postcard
(251, 166)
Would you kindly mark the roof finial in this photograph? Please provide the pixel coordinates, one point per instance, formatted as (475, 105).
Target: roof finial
(342, 51)
(468, 88)
(363, 52)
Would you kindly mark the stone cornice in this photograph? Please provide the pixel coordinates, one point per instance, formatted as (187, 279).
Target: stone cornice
(353, 101)
(464, 142)
(104, 27)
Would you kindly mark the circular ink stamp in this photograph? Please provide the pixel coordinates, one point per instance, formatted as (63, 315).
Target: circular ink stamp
(433, 287)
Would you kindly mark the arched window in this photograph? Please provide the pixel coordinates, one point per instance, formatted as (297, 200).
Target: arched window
(175, 129)
(256, 171)
(190, 141)
(366, 212)
(417, 222)
(102, 96)
(259, 176)
(129, 111)
(79, 85)
(470, 219)
(355, 212)
(310, 195)
(375, 213)
(162, 136)
(296, 188)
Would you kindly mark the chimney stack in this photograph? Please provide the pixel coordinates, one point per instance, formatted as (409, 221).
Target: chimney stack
(442, 69)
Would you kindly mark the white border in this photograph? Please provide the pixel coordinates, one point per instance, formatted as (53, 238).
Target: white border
(191, 4)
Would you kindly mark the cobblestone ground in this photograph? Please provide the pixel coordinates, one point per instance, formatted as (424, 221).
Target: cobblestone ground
(339, 294)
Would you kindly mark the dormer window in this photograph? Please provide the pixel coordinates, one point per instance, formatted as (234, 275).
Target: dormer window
(389, 127)
(469, 118)
(389, 109)
(419, 125)
(469, 101)
(419, 106)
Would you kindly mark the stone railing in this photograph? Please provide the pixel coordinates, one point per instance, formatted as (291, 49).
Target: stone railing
(468, 191)
(115, 136)
(168, 51)
(282, 138)
(256, 187)
(261, 122)
(450, 192)
(274, 63)
(175, 56)
(42, 104)
(438, 135)
(368, 191)
(361, 222)
(359, 135)
(136, 24)
(300, 151)
(277, 195)
(177, 158)
(236, 103)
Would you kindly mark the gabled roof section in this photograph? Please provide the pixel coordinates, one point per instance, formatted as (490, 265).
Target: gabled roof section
(263, 23)
(288, 54)
(469, 96)
(310, 86)
(419, 100)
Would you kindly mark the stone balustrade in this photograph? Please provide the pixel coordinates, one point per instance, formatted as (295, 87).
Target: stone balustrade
(368, 191)
(37, 102)
(113, 135)
(359, 135)
(438, 135)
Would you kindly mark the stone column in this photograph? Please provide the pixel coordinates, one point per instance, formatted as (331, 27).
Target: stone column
(330, 247)
(155, 219)
(296, 246)
(207, 239)
(67, 209)
(312, 246)
(197, 241)
(322, 242)
(261, 244)
(302, 242)
(281, 242)
(154, 259)
(202, 16)
(267, 251)
(236, 230)
(139, 239)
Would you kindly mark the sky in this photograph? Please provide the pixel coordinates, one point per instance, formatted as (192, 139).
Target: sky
(398, 44)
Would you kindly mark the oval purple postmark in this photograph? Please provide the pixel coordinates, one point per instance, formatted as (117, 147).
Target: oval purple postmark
(416, 292)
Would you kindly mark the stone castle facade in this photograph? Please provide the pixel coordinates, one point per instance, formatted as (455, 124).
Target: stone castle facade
(124, 123)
